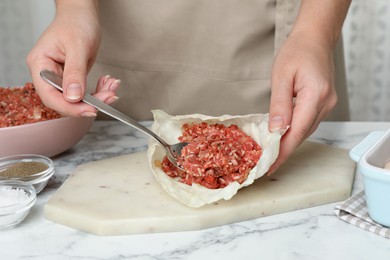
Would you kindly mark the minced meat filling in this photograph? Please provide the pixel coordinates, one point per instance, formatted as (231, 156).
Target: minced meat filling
(215, 156)
(22, 105)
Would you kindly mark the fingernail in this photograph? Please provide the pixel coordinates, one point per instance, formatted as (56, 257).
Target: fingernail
(73, 91)
(276, 123)
(270, 171)
(115, 85)
(105, 78)
(88, 114)
(111, 100)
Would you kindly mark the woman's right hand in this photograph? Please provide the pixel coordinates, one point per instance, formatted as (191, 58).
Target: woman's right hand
(69, 47)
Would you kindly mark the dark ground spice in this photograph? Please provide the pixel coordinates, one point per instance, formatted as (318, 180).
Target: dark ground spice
(23, 169)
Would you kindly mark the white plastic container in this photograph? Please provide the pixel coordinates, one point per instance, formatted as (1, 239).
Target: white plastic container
(371, 156)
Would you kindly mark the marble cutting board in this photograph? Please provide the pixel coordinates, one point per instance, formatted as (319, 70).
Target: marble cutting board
(119, 196)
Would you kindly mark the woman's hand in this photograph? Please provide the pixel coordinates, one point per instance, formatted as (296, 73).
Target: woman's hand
(302, 93)
(69, 47)
(303, 90)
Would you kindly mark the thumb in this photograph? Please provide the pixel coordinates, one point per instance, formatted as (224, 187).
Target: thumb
(281, 105)
(74, 77)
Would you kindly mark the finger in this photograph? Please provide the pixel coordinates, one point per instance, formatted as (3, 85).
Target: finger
(305, 119)
(100, 82)
(108, 83)
(281, 102)
(107, 97)
(105, 89)
(74, 76)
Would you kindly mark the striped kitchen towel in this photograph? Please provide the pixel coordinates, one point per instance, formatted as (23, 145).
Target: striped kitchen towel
(354, 211)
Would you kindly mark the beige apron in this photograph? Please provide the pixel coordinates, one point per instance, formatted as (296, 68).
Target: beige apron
(196, 56)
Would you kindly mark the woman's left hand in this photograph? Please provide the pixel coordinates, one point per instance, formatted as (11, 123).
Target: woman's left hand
(302, 92)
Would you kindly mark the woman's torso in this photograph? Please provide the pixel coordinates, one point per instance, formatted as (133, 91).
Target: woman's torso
(207, 56)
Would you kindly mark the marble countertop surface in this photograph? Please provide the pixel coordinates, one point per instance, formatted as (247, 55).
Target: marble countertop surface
(314, 233)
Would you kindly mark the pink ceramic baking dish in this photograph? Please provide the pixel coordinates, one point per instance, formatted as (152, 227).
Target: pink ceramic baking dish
(47, 138)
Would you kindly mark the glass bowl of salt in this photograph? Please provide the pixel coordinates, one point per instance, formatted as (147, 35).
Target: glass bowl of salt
(16, 200)
(31, 168)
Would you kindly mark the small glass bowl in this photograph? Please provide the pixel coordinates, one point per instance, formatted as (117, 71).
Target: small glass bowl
(38, 180)
(13, 214)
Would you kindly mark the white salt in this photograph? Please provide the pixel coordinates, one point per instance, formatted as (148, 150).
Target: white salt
(9, 196)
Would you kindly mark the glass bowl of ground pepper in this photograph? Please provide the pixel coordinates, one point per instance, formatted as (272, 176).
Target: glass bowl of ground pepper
(30, 168)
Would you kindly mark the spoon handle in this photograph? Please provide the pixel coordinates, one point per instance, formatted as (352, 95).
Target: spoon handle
(56, 81)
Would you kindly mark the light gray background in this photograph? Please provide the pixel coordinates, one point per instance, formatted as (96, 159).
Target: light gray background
(366, 40)
(21, 23)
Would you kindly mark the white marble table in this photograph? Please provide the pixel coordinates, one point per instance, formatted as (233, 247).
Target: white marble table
(314, 233)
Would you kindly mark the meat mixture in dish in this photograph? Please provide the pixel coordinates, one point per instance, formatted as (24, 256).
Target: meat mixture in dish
(215, 156)
(22, 105)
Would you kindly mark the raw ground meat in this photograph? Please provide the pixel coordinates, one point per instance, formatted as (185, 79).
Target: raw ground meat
(215, 156)
(22, 105)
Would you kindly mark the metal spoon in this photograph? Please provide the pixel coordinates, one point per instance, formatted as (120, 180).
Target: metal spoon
(173, 152)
